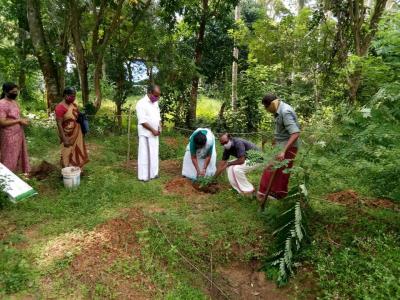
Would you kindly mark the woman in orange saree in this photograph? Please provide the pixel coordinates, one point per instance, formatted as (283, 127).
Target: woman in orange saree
(73, 148)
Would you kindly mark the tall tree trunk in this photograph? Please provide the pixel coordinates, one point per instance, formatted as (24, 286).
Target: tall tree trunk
(362, 38)
(42, 52)
(99, 45)
(198, 53)
(98, 73)
(354, 82)
(80, 53)
(149, 68)
(128, 67)
(119, 101)
(64, 45)
(300, 5)
(22, 46)
(235, 65)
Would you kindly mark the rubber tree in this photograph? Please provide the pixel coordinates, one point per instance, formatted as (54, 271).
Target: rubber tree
(208, 9)
(100, 41)
(80, 52)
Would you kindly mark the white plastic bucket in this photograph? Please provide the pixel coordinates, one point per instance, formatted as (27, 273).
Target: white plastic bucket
(71, 177)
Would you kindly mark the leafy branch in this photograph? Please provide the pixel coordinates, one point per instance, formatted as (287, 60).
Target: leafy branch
(291, 234)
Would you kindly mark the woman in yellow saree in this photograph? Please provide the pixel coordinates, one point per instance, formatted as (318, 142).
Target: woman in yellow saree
(73, 148)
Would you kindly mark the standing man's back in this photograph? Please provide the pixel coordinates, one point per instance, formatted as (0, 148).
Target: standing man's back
(149, 129)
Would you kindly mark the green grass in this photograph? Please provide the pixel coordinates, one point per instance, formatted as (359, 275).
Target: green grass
(105, 194)
(208, 108)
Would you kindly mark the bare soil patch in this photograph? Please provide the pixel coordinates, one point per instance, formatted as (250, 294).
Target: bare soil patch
(185, 187)
(94, 253)
(181, 186)
(351, 198)
(6, 228)
(171, 167)
(212, 188)
(93, 264)
(44, 170)
(115, 239)
(244, 281)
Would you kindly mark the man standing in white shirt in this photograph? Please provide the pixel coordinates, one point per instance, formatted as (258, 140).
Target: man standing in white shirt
(149, 129)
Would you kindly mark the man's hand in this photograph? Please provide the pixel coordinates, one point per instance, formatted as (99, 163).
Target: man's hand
(280, 156)
(155, 132)
(202, 173)
(24, 122)
(221, 167)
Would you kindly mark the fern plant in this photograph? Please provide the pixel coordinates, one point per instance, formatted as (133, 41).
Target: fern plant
(291, 233)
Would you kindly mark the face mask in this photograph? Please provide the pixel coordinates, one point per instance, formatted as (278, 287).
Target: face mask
(154, 98)
(70, 99)
(12, 96)
(228, 145)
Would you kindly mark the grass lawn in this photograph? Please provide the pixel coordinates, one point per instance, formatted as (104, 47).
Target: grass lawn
(118, 238)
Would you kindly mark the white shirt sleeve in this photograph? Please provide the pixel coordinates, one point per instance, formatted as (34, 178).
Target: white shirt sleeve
(141, 113)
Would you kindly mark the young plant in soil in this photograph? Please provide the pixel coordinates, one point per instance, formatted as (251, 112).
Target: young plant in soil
(206, 184)
(204, 181)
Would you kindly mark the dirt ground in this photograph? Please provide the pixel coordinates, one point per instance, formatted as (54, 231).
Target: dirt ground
(94, 254)
(181, 186)
(352, 198)
(243, 281)
(185, 187)
(44, 170)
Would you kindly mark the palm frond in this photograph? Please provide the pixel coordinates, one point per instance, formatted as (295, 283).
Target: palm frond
(290, 234)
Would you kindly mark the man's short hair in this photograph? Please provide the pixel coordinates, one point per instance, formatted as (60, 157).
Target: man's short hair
(227, 134)
(266, 101)
(151, 88)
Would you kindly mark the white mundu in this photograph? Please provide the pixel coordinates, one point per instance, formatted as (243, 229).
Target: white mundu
(237, 177)
(148, 112)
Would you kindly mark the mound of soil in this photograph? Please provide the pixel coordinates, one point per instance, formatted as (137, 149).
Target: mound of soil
(243, 281)
(118, 241)
(382, 203)
(181, 186)
(212, 188)
(351, 198)
(44, 170)
(185, 187)
(348, 197)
